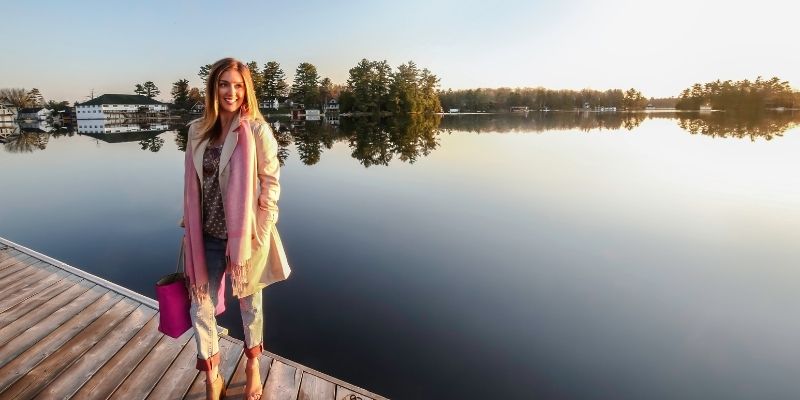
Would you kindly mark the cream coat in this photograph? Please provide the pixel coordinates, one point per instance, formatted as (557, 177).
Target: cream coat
(268, 259)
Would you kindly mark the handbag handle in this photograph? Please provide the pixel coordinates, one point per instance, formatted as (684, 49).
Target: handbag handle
(181, 261)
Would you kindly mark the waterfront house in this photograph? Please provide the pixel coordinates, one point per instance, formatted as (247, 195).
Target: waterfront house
(7, 113)
(269, 104)
(198, 108)
(33, 113)
(705, 107)
(332, 106)
(519, 109)
(453, 110)
(119, 106)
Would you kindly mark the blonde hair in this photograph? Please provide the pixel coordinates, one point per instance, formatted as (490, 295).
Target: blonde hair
(249, 109)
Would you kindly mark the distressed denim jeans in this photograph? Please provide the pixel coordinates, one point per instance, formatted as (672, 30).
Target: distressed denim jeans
(202, 312)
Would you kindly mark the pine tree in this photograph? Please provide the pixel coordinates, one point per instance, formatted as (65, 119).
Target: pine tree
(273, 81)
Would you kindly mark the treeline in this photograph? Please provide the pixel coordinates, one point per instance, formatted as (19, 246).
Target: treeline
(21, 98)
(741, 95)
(502, 99)
(373, 87)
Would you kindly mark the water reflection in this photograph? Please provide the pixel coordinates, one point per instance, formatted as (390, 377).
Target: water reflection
(26, 142)
(373, 141)
(543, 121)
(146, 134)
(739, 125)
(378, 141)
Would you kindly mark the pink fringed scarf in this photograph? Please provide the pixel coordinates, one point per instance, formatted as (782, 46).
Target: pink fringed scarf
(238, 203)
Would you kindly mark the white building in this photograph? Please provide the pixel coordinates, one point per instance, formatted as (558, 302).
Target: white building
(269, 104)
(7, 113)
(33, 114)
(114, 106)
(331, 106)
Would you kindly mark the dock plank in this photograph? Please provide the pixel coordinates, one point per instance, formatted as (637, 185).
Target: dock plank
(21, 355)
(27, 288)
(21, 309)
(239, 379)
(49, 369)
(13, 272)
(283, 382)
(71, 380)
(6, 253)
(343, 393)
(230, 355)
(145, 376)
(315, 388)
(11, 260)
(37, 324)
(105, 381)
(180, 376)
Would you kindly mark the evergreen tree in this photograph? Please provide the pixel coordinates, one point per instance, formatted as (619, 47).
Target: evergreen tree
(273, 81)
(305, 86)
(35, 98)
(203, 74)
(633, 100)
(180, 94)
(139, 89)
(150, 89)
(258, 79)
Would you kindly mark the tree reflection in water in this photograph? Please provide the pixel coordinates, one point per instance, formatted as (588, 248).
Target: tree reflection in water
(765, 125)
(27, 142)
(153, 144)
(373, 141)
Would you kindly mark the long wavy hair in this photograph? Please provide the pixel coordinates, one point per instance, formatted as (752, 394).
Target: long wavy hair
(249, 109)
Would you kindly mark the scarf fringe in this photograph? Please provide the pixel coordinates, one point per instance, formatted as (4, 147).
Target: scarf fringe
(239, 276)
(200, 292)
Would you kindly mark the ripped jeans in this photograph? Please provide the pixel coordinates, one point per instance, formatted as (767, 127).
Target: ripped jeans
(202, 312)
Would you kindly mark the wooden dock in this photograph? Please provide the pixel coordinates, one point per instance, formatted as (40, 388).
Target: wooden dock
(65, 333)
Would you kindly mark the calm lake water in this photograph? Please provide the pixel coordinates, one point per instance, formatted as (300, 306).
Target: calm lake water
(554, 256)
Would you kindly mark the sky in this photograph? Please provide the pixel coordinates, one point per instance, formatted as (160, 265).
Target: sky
(69, 50)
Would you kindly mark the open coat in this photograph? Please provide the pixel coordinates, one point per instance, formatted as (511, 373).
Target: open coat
(268, 258)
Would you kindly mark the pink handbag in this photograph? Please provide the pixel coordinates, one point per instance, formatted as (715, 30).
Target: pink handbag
(173, 302)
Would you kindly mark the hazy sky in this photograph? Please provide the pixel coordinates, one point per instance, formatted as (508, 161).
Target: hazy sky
(66, 49)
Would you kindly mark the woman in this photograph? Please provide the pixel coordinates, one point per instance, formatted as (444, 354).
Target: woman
(230, 209)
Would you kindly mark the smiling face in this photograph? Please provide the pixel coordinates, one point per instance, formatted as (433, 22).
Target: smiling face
(230, 91)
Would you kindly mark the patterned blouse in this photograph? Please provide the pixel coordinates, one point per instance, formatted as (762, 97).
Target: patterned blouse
(213, 211)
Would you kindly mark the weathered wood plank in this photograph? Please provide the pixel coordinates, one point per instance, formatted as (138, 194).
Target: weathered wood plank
(48, 369)
(90, 362)
(180, 375)
(13, 273)
(329, 378)
(22, 309)
(105, 381)
(144, 378)
(343, 393)
(7, 253)
(37, 324)
(230, 354)
(238, 381)
(28, 288)
(315, 388)
(283, 382)
(12, 261)
(34, 270)
(20, 355)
